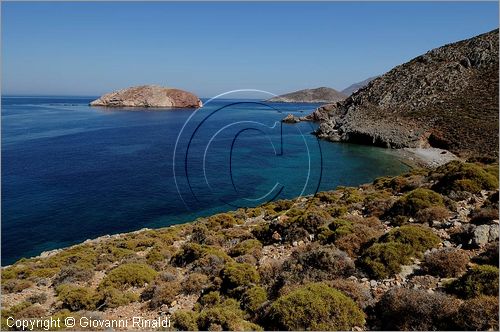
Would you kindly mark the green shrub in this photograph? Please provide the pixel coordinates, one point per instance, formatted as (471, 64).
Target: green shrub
(210, 299)
(250, 246)
(316, 306)
(480, 280)
(239, 275)
(221, 221)
(111, 297)
(478, 314)
(415, 201)
(184, 320)
(129, 274)
(458, 176)
(382, 260)
(419, 238)
(15, 285)
(253, 299)
(446, 262)
(226, 316)
(415, 309)
(76, 298)
(312, 219)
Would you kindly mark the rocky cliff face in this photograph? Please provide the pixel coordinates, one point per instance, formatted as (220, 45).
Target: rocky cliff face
(318, 95)
(446, 98)
(148, 96)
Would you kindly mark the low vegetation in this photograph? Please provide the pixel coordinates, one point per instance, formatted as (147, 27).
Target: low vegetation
(403, 253)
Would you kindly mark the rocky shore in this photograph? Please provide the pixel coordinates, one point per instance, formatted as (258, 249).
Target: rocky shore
(318, 95)
(149, 96)
(417, 251)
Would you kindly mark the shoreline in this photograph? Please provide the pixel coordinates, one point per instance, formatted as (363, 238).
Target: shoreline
(412, 157)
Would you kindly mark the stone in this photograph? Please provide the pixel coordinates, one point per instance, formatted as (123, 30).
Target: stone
(484, 234)
(149, 96)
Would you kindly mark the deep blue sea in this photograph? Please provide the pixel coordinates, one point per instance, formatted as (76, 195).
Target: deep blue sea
(71, 172)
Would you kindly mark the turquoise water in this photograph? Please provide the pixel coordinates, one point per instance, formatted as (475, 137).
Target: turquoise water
(72, 172)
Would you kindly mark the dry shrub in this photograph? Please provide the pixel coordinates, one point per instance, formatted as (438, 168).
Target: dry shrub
(446, 262)
(489, 256)
(195, 283)
(71, 274)
(412, 309)
(315, 262)
(484, 215)
(161, 293)
(432, 214)
(359, 293)
(479, 314)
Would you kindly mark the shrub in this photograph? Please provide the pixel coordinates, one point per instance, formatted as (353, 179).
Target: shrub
(316, 263)
(129, 274)
(76, 298)
(419, 238)
(382, 260)
(250, 246)
(195, 283)
(468, 177)
(253, 299)
(415, 201)
(221, 221)
(184, 320)
(480, 280)
(412, 309)
(39, 298)
(225, 316)
(358, 292)
(210, 299)
(71, 274)
(316, 306)
(313, 219)
(432, 214)
(489, 256)
(15, 285)
(478, 314)
(111, 297)
(484, 215)
(446, 262)
(352, 238)
(161, 293)
(239, 275)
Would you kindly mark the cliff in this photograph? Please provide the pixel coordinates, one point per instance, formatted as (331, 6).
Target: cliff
(148, 96)
(446, 98)
(318, 95)
(413, 252)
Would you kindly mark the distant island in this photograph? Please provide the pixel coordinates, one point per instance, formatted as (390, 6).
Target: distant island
(356, 86)
(148, 96)
(318, 95)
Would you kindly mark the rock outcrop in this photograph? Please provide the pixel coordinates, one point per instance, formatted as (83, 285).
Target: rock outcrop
(446, 98)
(148, 96)
(318, 95)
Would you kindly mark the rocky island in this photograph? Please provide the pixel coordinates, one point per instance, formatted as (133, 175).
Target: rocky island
(149, 96)
(318, 95)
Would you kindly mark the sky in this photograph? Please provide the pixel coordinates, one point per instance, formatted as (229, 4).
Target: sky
(90, 48)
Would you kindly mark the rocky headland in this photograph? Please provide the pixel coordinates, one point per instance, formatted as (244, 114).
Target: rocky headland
(318, 95)
(356, 86)
(446, 98)
(149, 96)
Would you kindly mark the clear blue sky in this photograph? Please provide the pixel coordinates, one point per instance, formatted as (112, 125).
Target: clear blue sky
(92, 48)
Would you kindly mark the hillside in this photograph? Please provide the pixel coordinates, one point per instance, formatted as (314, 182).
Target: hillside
(413, 252)
(446, 98)
(318, 95)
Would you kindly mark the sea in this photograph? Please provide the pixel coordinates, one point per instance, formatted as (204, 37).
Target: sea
(72, 172)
